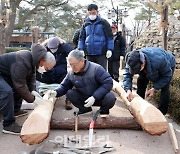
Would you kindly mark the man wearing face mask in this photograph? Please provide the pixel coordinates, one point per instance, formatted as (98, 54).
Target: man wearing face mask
(152, 64)
(96, 37)
(118, 52)
(17, 82)
(60, 49)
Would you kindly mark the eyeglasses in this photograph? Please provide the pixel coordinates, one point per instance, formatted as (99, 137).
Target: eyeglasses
(75, 64)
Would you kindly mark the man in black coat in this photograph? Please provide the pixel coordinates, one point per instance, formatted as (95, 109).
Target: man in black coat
(17, 82)
(118, 51)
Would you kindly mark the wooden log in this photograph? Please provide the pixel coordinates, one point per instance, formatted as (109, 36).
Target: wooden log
(148, 116)
(119, 118)
(36, 127)
(173, 138)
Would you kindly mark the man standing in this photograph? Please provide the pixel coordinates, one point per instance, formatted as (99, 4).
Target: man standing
(87, 84)
(152, 64)
(118, 51)
(60, 49)
(96, 37)
(17, 81)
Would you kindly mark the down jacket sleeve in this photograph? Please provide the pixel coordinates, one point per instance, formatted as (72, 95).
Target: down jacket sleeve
(105, 81)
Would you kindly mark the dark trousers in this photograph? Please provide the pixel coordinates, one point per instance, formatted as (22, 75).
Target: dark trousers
(7, 100)
(99, 59)
(113, 69)
(78, 99)
(142, 82)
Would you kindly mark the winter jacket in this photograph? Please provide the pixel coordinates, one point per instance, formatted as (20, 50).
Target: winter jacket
(119, 47)
(19, 67)
(96, 37)
(160, 66)
(59, 71)
(93, 81)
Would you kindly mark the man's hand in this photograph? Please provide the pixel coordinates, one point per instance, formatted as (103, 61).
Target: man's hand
(149, 93)
(108, 54)
(129, 95)
(89, 102)
(38, 99)
(53, 93)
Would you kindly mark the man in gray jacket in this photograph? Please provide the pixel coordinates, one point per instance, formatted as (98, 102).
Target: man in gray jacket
(17, 81)
(87, 85)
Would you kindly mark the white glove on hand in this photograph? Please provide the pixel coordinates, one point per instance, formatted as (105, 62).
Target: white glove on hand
(89, 102)
(38, 99)
(53, 93)
(82, 51)
(108, 54)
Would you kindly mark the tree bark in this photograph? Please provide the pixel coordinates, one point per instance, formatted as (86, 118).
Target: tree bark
(147, 115)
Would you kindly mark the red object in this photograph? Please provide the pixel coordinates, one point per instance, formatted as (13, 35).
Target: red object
(92, 124)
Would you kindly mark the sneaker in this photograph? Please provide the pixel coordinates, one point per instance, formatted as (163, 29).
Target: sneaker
(68, 104)
(104, 114)
(20, 113)
(14, 129)
(87, 112)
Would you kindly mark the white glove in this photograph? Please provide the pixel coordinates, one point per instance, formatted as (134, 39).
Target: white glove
(82, 51)
(53, 93)
(108, 54)
(38, 99)
(89, 102)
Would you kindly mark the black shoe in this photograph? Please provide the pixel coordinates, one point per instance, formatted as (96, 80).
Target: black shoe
(68, 104)
(85, 112)
(20, 113)
(104, 114)
(14, 129)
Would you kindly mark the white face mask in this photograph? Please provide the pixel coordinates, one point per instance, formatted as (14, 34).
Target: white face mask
(41, 69)
(114, 33)
(53, 50)
(92, 17)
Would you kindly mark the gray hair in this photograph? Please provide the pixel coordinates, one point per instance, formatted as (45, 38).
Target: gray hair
(49, 57)
(76, 54)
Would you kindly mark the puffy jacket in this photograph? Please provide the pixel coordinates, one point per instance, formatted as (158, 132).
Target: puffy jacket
(93, 81)
(96, 37)
(160, 66)
(18, 68)
(59, 71)
(119, 47)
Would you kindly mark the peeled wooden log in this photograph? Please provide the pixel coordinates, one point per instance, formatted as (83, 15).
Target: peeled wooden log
(36, 127)
(148, 116)
(119, 118)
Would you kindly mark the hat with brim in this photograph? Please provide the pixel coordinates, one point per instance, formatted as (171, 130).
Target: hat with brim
(135, 69)
(53, 43)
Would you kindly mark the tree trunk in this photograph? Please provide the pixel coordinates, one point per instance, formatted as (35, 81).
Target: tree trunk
(6, 29)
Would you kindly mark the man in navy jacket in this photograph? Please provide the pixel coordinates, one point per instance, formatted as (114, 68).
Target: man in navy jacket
(60, 49)
(96, 37)
(152, 64)
(87, 84)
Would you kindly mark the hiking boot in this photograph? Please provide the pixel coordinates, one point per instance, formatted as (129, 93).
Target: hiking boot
(14, 129)
(20, 113)
(104, 114)
(85, 112)
(68, 104)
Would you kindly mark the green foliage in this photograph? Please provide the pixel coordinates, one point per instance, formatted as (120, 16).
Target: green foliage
(13, 49)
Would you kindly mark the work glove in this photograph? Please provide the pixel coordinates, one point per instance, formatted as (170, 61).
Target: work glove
(108, 54)
(89, 102)
(38, 98)
(82, 51)
(53, 93)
